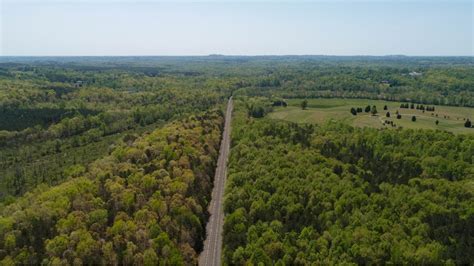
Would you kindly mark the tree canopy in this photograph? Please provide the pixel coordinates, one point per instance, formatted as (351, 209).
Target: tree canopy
(301, 194)
(143, 204)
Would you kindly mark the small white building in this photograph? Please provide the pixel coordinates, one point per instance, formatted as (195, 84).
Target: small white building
(415, 74)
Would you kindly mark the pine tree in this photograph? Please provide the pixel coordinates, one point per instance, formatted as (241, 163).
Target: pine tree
(374, 110)
(304, 104)
(468, 123)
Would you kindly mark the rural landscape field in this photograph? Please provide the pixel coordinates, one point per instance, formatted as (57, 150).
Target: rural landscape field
(174, 161)
(320, 111)
(236, 132)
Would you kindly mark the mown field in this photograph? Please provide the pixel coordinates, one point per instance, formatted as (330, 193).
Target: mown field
(321, 110)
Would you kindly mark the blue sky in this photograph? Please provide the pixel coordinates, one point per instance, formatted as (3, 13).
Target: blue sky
(106, 27)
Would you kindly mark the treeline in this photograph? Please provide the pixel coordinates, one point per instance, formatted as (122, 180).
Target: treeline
(259, 107)
(87, 128)
(50, 162)
(368, 109)
(57, 116)
(17, 119)
(106, 122)
(420, 84)
(422, 80)
(144, 204)
(301, 194)
(417, 107)
(77, 140)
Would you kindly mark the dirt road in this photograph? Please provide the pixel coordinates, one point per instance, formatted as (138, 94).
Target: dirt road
(211, 254)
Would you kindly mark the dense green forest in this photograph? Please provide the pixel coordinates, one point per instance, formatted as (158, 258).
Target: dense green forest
(110, 160)
(434, 85)
(56, 119)
(301, 194)
(143, 204)
(427, 80)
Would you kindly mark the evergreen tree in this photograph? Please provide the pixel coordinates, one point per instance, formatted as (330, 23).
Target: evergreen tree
(468, 123)
(374, 110)
(304, 104)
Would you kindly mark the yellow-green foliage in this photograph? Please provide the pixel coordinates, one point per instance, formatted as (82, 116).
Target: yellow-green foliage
(145, 203)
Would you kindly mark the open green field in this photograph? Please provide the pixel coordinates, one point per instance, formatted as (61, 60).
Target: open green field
(320, 110)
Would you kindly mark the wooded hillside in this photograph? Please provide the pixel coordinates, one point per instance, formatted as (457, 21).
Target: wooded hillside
(144, 204)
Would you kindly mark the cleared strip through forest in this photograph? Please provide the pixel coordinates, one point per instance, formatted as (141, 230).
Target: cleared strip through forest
(211, 254)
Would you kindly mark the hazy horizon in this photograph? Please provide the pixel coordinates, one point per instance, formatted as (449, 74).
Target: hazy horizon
(242, 55)
(247, 28)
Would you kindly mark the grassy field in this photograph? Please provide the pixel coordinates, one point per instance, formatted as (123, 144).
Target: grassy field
(321, 110)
